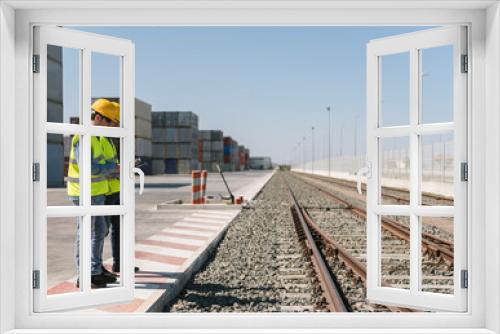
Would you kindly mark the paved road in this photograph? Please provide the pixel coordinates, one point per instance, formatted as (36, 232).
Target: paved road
(158, 189)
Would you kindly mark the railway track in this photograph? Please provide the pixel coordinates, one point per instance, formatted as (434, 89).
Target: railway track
(433, 245)
(347, 226)
(336, 301)
(393, 195)
(325, 253)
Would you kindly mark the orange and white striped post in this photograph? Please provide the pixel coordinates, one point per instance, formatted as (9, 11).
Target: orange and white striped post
(196, 187)
(204, 175)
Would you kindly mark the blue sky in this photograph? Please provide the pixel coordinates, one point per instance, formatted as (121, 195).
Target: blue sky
(267, 86)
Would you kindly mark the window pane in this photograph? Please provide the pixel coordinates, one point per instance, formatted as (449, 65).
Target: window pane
(437, 84)
(437, 169)
(63, 84)
(394, 90)
(437, 269)
(61, 264)
(106, 84)
(394, 168)
(105, 170)
(106, 250)
(63, 170)
(394, 255)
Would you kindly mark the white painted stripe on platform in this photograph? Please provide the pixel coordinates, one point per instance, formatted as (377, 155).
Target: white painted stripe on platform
(204, 224)
(198, 225)
(164, 250)
(154, 266)
(185, 241)
(188, 232)
(226, 213)
(207, 220)
(201, 215)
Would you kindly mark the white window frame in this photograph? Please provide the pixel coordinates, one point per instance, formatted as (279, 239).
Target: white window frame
(483, 18)
(411, 44)
(86, 43)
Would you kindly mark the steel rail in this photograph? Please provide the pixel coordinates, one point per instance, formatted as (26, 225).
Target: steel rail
(333, 296)
(345, 257)
(352, 185)
(435, 245)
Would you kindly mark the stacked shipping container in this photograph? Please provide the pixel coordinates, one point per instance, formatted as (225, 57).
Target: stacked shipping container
(241, 157)
(247, 159)
(228, 160)
(143, 135)
(210, 149)
(235, 155)
(175, 142)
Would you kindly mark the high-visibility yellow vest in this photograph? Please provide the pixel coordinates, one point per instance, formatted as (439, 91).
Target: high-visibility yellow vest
(99, 183)
(111, 156)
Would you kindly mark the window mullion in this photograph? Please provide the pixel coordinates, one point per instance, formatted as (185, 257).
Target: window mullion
(414, 171)
(85, 176)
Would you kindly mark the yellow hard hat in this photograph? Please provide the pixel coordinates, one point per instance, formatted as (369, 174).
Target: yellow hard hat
(107, 109)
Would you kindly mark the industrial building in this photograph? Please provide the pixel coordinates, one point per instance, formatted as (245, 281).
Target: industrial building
(260, 163)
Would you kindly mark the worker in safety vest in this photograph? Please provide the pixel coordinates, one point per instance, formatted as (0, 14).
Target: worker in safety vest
(111, 155)
(102, 113)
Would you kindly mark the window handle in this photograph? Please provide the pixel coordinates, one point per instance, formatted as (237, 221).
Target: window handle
(366, 170)
(135, 170)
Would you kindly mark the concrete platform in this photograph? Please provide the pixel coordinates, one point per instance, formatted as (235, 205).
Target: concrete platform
(173, 253)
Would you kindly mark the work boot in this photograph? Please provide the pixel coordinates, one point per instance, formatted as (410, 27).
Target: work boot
(116, 267)
(107, 272)
(98, 281)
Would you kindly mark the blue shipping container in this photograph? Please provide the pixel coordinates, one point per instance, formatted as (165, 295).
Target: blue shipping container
(171, 166)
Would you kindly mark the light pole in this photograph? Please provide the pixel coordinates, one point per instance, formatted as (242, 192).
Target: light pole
(329, 139)
(304, 152)
(312, 152)
(356, 135)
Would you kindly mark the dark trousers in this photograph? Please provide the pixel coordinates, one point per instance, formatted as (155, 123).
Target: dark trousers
(114, 227)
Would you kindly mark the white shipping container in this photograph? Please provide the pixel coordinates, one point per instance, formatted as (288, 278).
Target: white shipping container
(143, 128)
(184, 166)
(143, 147)
(142, 110)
